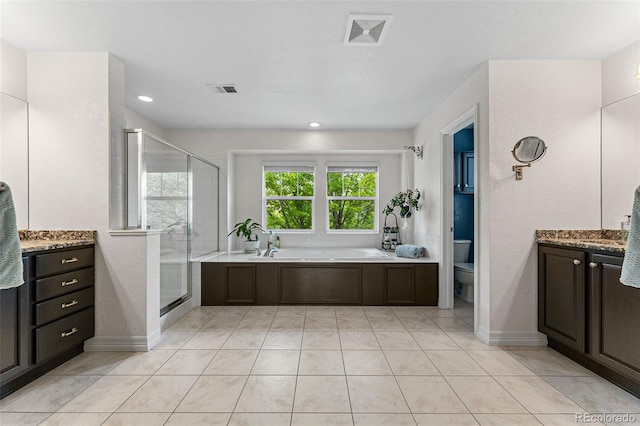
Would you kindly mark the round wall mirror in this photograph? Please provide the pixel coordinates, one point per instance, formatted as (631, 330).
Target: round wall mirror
(529, 149)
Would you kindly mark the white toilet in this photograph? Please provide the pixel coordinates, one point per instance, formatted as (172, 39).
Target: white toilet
(463, 270)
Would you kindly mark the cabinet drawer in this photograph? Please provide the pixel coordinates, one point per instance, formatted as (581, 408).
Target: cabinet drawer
(64, 305)
(63, 334)
(58, 285)
(63, 261)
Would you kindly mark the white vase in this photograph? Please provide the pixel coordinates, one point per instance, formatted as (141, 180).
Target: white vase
(251, 246)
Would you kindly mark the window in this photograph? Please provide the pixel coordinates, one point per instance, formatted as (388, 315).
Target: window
(352, 197)
(166, 200)
(288, 197)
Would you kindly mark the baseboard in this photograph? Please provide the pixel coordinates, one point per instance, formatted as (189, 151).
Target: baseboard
(511, 338)
(127, 344)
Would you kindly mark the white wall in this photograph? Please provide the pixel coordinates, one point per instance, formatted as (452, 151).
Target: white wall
(13, 70)
(247, 180)
(557, 101)
(69, 97)
(619, 74)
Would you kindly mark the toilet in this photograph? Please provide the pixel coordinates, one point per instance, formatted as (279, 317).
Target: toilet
(462, 270)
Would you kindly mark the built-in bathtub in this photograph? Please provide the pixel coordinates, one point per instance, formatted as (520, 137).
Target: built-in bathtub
(355, 276)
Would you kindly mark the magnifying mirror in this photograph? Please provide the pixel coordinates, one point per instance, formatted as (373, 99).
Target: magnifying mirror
(527, 150)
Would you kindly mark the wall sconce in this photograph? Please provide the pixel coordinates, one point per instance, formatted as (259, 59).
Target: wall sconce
(527, 150)
(416, 149)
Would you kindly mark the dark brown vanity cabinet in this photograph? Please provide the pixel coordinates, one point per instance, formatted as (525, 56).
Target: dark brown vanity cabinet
(588, 315)
(319, 283)
(45, 321)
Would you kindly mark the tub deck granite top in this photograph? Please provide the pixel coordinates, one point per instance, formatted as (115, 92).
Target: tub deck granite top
(599, 239)
(32, 241)
(240, 256)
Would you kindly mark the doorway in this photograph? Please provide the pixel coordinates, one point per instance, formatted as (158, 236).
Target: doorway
(460, 210)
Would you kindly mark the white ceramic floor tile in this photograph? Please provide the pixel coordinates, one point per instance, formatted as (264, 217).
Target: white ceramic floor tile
(436, 312)
(322, 394)
(430, 394)
(106, 395)
(386, 324)
(362, 419)
(321, 340)
(174, 339)
(245, 340)
(276, 362)
(267, 394)
(287, 323)
(51, 396)
(396, 340)
(262, 311)
(137, 419)
(596, 395)
(350, 312)
(408, 311)
(352, 340)
(434, 341)
(198, 419)
(507, 419)
(365, 363)
(321, 311)
(74, 419)
(452, 324)
(291, 311)
(566, 419)
(229, 362)
(321, 362)
(213, 394)
(410, 363)
(455, 363)
(188, 362)
(549, 363)
(91, 363)
(375, 394)
(470, 342)
(315, 419)
(484, 395)
(207, 340)
(445, 420)
(22, 419)
(254, 324)
(320, 324)
(419, 324)
(143, 363)
(538, 396)
(252, 419)
(283, 340)
(159, 394)
(354, 324)
(499, 363)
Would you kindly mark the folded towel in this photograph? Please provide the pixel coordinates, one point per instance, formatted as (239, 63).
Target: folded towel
(409, 250)
(631, 264)
(10, 251)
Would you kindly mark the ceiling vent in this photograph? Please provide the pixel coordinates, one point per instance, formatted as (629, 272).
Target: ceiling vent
(366, 30)
(223, 88)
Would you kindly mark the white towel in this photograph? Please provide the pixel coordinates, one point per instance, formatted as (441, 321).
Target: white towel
(631, 264)
(10, 251)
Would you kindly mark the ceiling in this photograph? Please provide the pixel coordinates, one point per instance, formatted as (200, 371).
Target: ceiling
(289, 61)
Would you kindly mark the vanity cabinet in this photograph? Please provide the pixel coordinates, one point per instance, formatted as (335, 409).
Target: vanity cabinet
(14, 329)
(46, 320)
(464, 172)
(588, 315)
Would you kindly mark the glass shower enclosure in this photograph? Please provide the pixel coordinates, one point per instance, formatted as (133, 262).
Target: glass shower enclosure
(177, 194)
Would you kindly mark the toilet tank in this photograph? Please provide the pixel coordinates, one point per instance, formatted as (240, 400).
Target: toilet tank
(461, 251)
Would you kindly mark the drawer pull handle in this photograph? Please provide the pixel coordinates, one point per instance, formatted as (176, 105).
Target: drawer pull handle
(72, 260)
(577, 262)
(70, 304)
(69, 333)
(593, 265)
(66, 283)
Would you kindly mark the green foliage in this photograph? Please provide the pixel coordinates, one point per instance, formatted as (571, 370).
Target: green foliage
(406, 201)
(351, 214)
(246, 229)
(289, 214)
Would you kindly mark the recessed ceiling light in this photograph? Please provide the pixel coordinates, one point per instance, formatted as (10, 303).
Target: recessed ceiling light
(314, 124)
(144, 98)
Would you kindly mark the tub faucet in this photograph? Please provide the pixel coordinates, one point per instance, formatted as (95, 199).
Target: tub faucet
(270, 248)
(258, 252)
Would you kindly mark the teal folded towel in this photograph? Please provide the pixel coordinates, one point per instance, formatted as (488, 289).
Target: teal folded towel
(410, 251)
(631, 264)
(10, 251)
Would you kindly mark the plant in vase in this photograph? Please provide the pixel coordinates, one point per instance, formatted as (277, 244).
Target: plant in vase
(247, 229)
(406, 201)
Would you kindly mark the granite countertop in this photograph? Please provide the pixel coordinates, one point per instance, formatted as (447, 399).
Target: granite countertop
(599, 239)
(31, 241)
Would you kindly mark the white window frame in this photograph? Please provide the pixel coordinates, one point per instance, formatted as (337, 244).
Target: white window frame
(289, 167)
(376, 199)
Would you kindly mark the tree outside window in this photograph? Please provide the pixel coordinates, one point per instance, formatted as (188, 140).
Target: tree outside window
(288, 197)
(351, 197)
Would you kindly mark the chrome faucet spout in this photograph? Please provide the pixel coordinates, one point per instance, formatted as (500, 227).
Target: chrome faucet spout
(258, 252)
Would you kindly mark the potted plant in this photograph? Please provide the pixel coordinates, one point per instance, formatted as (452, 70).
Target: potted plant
(406, 201)
(247, 230)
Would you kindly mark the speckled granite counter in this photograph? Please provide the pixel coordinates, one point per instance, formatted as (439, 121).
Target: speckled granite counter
(599, 239)
(31, 241)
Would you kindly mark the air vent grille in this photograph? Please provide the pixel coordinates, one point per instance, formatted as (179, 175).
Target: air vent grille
(223, 88)
(366, 30)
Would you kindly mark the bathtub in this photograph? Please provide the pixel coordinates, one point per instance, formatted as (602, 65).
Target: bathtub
(354, 276)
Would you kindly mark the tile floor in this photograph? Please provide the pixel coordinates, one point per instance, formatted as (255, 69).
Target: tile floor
(318, 365)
